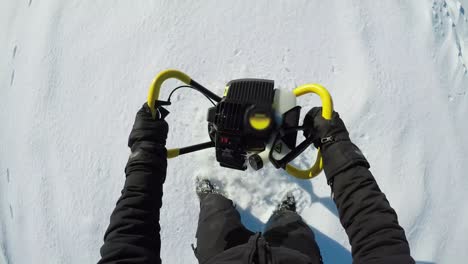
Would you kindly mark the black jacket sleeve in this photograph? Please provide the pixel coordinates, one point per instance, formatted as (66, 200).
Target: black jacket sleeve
(369, 220)
(133, 232)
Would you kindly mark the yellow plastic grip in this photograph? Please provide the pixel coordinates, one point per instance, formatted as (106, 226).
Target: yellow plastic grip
(153, 93)
(327, 111)
(172, 153)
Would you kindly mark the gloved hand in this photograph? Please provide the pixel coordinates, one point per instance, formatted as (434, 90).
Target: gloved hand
(323, 131)
(331, 136)
(147, 164)
(147, 132)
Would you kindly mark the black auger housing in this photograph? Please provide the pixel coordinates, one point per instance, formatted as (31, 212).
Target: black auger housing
(242, 121)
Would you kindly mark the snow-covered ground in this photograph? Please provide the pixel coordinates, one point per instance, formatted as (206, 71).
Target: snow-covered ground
(73, 74)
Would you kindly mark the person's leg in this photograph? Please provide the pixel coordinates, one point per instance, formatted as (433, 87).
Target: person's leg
(219, 227)
(286, 228)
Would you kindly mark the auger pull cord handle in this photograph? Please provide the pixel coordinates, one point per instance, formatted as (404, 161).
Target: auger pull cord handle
(327, 110)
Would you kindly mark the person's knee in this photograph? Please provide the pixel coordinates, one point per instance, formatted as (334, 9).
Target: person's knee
(216, 207)
(216, 200)
(283, 217)
(285, 224)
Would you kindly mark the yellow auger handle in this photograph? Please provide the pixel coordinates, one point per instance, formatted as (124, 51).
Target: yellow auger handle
(155, 87)
(153, 95)
(327, 111)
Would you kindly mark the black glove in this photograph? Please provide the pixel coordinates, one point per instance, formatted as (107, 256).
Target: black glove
(331, 136)
(323, 131)
(146, 166)
(148, 133)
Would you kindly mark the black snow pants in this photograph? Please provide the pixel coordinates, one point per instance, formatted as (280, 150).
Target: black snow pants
(220, 228)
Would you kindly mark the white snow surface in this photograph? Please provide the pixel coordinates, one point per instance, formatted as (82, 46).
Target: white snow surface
(73, 74)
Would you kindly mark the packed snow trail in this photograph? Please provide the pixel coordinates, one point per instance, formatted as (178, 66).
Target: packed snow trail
(74, 73)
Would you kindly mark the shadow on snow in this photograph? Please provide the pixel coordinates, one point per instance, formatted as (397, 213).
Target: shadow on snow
(332, 251)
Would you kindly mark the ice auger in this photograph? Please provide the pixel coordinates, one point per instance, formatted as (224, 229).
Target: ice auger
(252, 123)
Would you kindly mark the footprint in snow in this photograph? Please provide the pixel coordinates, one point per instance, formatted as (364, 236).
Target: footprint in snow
(11, 212)
(15, 49)
(12, 78)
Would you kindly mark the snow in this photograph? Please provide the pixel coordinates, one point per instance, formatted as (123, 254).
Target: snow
(74, 73)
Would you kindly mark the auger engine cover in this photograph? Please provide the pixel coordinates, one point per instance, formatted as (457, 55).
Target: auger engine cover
(246, 119)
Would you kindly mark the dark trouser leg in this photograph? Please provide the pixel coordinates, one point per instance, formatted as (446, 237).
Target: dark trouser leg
(287, 229)
(219, 227)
